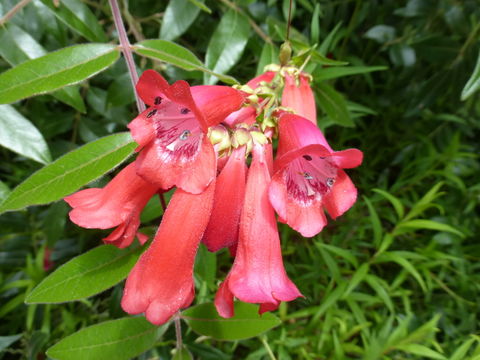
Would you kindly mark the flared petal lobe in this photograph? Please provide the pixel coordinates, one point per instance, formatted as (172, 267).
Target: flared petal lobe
(309, 177)
(161, 282)
(117, 204)
(265, 77)
(258, 274)
(297, 95)
(172, 132)
(222, 230)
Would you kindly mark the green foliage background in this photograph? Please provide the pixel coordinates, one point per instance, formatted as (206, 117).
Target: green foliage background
(395, 278)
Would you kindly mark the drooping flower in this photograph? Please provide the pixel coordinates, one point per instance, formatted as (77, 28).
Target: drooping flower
(309, 177)
(297, 95)
(257, 274)
(222, 230)
(161, 282)
(172, 132)
(118, 204)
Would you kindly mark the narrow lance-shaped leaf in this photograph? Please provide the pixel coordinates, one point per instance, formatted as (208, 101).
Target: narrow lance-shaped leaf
(227, 44)
(120, 339)
(177, 55)
(70, 172)
(246, 323)
(78, 17)
(55, 70)
(88, 274)
(322, 74)
(334, 105)
(178, 17)
(19, 135)
(473, 84)
(19, 46)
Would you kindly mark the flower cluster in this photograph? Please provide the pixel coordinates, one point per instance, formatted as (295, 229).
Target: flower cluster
(200, 139)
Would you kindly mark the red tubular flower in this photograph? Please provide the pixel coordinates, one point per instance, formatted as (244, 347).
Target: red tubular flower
(222, 230)
(172, 131)
(257, 275)
(161, 282)
(299, 97)
(309, 177)
(117, 204)
(266, 77)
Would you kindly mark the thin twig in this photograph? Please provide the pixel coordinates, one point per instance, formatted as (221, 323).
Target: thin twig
(289, 23)
(127, 50)
(253, 24)
(13, 11)
(267, 347)
(178, 332)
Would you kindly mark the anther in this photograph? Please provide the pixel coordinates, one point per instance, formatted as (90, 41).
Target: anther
(185, 134)
(185, 111)
(307, 157)
(307, 176)
(151, 113)
(330, 182)
(157, 101)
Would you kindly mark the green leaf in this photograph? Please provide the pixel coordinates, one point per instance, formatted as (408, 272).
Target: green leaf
(396, 203)
(461, 352)
(375, 221)
(6, 341)
(18, 47)
(268, 56)
(178, 17)
(227, 44)
(381, 33)
(55, 70)
(120, 339)
(85, 275)
(201, 6)
(356, 279)
(417, 224)
(334, 105)
(246, 323)
(473, 84)
(70, 172)
(421, 350)
(177, 55)
(403, 262)
(78, 17)
(19, 135)
(4, 191)
(183, 354)
(329, 41)
(322, 74)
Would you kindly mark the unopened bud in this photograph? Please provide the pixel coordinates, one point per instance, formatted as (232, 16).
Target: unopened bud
(259, 137)
(285, 53)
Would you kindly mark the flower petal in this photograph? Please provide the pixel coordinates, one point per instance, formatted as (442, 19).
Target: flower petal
(266, 77)
(216, 102)
(165, 168)
(120, 201)
(224, 300)
(308, 220)
(161, 282)
(299, 98)
(342, 196)
(222, 230)
(245, 115)
(258, 275)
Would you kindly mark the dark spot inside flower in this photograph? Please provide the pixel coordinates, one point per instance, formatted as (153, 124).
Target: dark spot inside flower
(307, 176)
(307, 157)
(158, 100)
(185, 111)
(151, 113)
(330, 182)
(185, 134)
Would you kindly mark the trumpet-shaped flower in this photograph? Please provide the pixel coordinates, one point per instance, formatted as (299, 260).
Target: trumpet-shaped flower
(297, 95)
(222, 230)
(258, 274)
(161, 282)
(172, 132)
(118, 204)
(309, 177)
